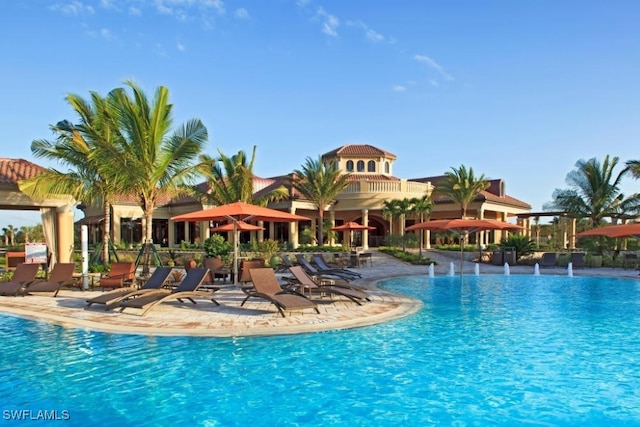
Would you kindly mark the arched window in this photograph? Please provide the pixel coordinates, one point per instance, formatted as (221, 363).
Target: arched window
(360, 165)
(371, 166)
(386, 167)
(349, 165)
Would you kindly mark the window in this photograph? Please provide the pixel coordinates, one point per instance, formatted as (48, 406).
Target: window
(386, 167)
(371, 166)
(360, 165)
(350, 166)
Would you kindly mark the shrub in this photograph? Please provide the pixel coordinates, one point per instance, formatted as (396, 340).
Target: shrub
(216, 245)
(522, 244)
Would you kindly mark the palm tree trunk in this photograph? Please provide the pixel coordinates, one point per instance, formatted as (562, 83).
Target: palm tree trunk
(105, 232)
(320, 227)
(148, 241)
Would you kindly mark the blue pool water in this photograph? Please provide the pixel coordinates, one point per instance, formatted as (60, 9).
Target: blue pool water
(484, 350)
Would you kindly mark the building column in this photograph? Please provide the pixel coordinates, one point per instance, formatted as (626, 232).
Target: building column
(64, 219)
(572, 238)
(332, 219)
(365, 233)
(261, 232)
(293, 230)
(171, 235)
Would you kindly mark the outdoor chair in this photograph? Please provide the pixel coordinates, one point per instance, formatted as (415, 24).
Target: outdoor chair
(111, 299)
(313, 271)
(186, 290)
(322, 266)
(217, 270)
(22, 276)
(364, 257)
(549, 259)
(577, 259)
(244, 277)
(61, 276)
(267, 287)
(120, 274)
(630, 260)
(306, 283)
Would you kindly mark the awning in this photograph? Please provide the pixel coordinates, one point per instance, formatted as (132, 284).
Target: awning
(88, 220)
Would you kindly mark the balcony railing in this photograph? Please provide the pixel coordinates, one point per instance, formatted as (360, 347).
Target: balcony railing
(402, 186)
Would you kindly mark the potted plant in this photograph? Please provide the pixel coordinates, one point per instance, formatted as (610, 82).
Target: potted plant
(217, 246)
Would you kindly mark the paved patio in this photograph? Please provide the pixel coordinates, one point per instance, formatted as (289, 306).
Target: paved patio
(258, 317)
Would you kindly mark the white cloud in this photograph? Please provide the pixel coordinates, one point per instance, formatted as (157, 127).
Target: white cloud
(330, 23)
(434, 65)
(106, 34)
(73, 8)
(135, 11)
(369, 33)
(241, 13)
(399, 88)
(302, 3)
(181, 47)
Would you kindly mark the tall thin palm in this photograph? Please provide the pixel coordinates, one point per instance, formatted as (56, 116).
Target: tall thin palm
(462, 186)
(77, 146)
(404, 208)
(157, 161)
(594, 191)
(390, 211)
(421, 207)
(320, 183)
(231, 179)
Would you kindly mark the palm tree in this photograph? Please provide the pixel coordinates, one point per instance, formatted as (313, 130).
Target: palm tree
(594, 191)
(421, 207)
(12, 234)
(320, 183)
(231, 180)
(390, 211)
(5, 235)
(77, 146)
(462, 187)
(156, 162)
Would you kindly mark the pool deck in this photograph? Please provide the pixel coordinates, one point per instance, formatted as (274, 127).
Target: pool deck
(258, 317)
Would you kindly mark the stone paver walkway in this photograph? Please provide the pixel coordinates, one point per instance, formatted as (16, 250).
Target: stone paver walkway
(258, 317)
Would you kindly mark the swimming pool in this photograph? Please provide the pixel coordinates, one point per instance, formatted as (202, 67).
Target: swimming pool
(498, 350)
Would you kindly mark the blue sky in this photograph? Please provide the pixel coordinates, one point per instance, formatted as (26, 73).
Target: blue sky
(518, 90)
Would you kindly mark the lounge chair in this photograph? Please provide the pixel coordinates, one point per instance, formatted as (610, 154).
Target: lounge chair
(306, 283)
(267, 287)
(313, 271)
(120, 274)
(187, 290)
(322, 266)
(578, 259)
(61, 275)
(217, 270)
(113, 298)
(22, 276)
(549, 259)
(244, 277)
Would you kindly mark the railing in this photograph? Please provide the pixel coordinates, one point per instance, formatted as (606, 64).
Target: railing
(402, 186)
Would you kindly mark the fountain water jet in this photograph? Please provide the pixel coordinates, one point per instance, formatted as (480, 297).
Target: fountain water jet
(430, 270)
(536, 269)
(476, 269)
(452, 269)
(570, 269)
(506, 269)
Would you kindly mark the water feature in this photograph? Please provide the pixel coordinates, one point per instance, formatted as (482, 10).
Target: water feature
(507, 271)
(570, 269)
(536, 269)
(523, 351)
(476, 269)
(430, 270)
(452, 269)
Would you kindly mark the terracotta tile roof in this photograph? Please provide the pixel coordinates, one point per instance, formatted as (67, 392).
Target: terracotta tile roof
(371, 177)
(363, 150)
(14, 170)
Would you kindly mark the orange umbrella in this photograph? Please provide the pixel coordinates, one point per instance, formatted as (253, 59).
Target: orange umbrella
(235, 213)
(352, 226)
(240, 226)
(463, 227)
(618, 230)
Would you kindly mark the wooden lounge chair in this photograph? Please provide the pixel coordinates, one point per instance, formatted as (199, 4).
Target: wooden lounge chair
(549, 259)
(113, 298)
(120, 274)
(244, 278)
(22, 276)
(187, 290)
(306, 283)
(267, 287)
(61, 275)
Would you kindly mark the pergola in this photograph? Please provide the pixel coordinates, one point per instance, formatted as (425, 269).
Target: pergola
(566, 222)
(57, 213)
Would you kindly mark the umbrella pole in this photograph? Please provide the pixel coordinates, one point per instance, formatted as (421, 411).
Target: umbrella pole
(462, 240)
(235, 253)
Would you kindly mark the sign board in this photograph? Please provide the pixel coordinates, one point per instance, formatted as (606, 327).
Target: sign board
(35, 253)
